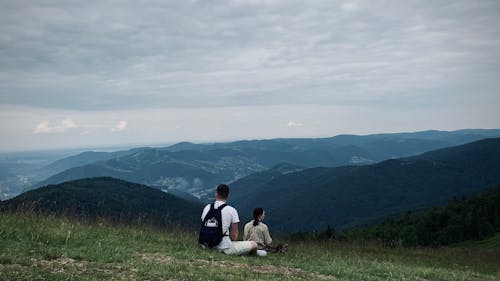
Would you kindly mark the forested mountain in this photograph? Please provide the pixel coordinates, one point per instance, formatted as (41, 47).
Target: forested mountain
(109, 199)
(475, 218)
(352, 195)
(247, 186)
(197, 168)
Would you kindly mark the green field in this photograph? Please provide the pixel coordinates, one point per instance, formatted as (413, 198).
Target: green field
(41, 248)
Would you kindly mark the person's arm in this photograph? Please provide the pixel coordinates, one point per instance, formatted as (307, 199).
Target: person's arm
(233, 233)
(246, 233)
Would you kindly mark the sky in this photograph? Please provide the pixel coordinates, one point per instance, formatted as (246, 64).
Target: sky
(101, 73)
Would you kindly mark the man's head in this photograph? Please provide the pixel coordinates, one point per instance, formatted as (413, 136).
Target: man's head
(222, 191)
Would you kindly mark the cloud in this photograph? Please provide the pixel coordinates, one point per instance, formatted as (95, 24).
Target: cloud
(350, 6)
(294, 124)
(103, 56)
(100, 62)
(120, 126)
(68, 124)
(45, 127)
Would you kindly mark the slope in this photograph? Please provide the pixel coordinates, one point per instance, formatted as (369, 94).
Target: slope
(48, 248)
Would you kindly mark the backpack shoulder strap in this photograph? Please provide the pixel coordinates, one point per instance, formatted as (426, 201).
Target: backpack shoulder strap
(220, 208)
(208, 214)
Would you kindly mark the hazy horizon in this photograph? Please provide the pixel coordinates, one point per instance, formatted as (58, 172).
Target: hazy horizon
(126, 146)
(101, 74)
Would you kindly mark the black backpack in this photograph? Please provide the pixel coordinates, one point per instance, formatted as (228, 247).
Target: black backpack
(211, 227)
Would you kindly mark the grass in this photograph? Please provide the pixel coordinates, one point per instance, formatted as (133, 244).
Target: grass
(488, 244)
(50, 248)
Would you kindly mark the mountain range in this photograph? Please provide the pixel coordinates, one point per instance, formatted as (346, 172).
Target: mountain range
(197, 168)
(349, 196)
(296, 198)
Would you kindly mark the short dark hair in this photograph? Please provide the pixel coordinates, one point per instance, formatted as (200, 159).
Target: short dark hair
(223, 190)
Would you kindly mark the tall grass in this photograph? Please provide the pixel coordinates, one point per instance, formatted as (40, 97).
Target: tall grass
(52, 248)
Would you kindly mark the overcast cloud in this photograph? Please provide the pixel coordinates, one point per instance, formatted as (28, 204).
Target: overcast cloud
(382, 58)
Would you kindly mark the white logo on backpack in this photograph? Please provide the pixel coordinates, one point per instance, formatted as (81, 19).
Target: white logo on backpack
(212, 223)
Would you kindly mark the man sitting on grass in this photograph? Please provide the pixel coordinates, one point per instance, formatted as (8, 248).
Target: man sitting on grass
(226, 216)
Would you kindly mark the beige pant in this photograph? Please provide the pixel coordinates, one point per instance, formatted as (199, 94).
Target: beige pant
(239, 248)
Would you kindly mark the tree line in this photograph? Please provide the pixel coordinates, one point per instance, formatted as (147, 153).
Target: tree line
(463, 219)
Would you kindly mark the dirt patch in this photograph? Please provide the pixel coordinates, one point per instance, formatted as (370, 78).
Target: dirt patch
(275, 269)
(319, 276)
(74, 267)
(287, 271)
(70, 262)
(61, 265)
(14, 266)
(265, 269)
(63, 261)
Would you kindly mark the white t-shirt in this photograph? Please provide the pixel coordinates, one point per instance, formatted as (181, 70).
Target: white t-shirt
(229, 216)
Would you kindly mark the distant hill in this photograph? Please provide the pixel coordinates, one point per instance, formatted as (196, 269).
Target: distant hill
(107, 198)
(247, 186)
(352, 195)
(84, 158)
(476, 218)
(350, 149)
(19, 171)
(189, 171)
(197, 168)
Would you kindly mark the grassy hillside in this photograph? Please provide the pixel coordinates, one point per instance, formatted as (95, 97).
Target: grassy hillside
(49, 248)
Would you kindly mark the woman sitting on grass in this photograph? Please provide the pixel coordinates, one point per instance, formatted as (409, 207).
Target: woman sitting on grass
(258, 232)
